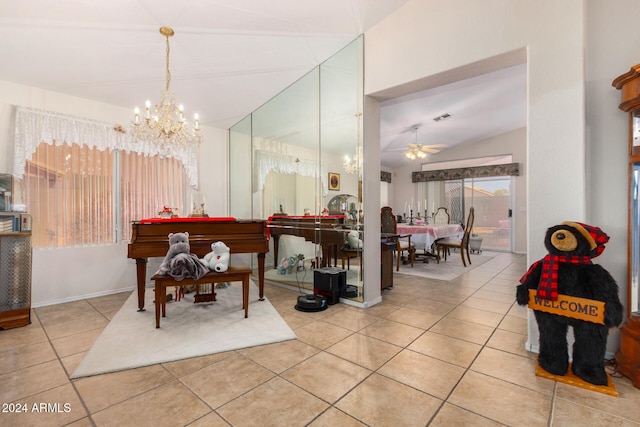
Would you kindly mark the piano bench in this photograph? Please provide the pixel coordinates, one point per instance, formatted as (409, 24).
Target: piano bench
(233, 274)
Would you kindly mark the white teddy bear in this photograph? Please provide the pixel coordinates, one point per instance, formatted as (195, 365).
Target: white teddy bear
(218, 259)
(354, 240)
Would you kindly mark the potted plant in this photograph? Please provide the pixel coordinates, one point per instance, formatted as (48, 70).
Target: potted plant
(475, 242)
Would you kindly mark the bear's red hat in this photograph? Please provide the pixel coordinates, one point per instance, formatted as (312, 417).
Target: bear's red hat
(594, 235)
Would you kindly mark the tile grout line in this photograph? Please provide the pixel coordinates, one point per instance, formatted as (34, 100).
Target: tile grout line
(64, 368)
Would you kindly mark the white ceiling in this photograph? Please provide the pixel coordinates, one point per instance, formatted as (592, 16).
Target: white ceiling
(228, 57)
(479, 107)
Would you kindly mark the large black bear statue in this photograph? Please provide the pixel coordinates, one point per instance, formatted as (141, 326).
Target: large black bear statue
(567, 270)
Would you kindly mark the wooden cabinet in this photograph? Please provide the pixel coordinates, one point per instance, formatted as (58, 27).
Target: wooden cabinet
(628, 357)
(386, 263)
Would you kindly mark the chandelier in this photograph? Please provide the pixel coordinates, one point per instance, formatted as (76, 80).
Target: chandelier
(354, 165)
(166, 128)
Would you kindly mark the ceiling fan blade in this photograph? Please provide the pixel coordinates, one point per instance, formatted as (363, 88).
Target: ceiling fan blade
(394, 149)
(436, 146)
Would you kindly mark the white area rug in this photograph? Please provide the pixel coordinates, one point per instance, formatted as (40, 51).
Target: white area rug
(131, 339)
(447, 270)
(304, 279)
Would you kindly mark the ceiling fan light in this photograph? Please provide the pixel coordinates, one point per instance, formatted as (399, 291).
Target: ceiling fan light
(422, 154)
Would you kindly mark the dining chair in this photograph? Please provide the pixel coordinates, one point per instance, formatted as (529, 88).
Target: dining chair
(441, 217)
(403, 243)
(461, 244)
(352, 248)
(347, 252)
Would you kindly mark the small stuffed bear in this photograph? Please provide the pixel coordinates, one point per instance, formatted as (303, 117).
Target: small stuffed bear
(218, 259)
(567, 270)
(288, 265)
(354, 240)
(179, 262)
(178, 243)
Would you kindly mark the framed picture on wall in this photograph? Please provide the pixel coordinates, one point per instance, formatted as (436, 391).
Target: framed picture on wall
(334, 181)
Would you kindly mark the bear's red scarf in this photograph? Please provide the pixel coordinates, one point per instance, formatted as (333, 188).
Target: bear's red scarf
(548, 286)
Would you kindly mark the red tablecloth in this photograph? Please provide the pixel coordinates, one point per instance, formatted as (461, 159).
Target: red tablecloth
(423, 236)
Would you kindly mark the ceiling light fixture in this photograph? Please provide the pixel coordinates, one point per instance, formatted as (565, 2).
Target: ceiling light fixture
(420, 151)
(442, 117)
(354, 165)
(415, 150)
(415, 153)
(167, 128)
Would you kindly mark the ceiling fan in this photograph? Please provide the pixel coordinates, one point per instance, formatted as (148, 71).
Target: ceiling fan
(420, 151)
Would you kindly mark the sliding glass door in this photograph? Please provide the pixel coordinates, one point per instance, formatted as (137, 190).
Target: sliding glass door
(492, 199)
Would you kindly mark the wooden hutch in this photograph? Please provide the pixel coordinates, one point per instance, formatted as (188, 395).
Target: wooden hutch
(628, 357)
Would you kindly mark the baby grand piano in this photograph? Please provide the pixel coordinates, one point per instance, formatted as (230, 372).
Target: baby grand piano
(149, 238)
(324, 230)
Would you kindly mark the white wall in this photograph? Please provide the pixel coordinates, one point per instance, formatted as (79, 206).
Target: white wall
(429, 37)
(576, 137)
(401, 51)
(72, 273)
(612, 38)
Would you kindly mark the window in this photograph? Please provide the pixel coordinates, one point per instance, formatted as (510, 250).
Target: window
(147, 184)
(491, 198)
(72, 192)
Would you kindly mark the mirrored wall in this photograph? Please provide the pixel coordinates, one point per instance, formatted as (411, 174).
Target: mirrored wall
(297, 163)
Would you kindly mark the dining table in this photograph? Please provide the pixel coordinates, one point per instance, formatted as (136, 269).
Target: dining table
(424, 235)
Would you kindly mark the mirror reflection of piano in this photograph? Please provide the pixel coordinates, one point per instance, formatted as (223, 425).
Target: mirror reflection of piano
(325, 230)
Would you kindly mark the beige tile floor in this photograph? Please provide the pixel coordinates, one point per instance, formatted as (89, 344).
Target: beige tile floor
(432, 353)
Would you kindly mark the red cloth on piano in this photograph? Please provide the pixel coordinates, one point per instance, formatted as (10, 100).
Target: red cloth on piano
(188, 219)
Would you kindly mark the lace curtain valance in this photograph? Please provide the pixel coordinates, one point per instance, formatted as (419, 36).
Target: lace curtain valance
(274, 162)
(35, 126)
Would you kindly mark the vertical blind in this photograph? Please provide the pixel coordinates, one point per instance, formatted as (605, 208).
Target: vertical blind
(71, 192)
(147, 184)
(68, 192)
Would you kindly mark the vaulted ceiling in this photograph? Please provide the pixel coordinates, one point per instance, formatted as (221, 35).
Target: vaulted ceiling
(455, 114)
(227, 58)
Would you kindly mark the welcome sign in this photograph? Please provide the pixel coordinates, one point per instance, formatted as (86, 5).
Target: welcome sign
(569, 306)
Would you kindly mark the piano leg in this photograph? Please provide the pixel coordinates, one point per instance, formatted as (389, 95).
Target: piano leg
(329, 254)
(141, 270)
(261, 275)
(326, 262)
(276, 245)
